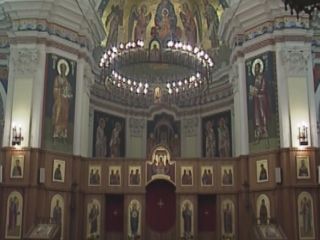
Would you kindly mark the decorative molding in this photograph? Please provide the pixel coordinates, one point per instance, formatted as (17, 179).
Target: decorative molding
(190, 127)
(295, 59)
(41, 25)
(136, 127)
(88, 78)
(234, 77)
(25, 61)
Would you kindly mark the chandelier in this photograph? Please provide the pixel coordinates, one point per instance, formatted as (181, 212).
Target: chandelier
(298, 6)
(174, 69)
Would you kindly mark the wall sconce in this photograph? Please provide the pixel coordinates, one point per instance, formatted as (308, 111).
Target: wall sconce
(303, 135)
(17, 138)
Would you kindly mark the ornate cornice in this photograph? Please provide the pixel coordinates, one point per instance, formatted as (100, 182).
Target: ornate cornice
(136, 127)
(25, 61)
(190, 127)
(295, 59)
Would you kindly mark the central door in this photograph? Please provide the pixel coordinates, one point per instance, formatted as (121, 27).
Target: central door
(161, 210)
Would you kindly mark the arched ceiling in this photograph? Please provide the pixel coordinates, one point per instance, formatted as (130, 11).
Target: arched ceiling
(191, 21)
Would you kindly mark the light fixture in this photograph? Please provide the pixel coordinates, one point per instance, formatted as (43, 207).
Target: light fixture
(17, 137)
(117, 62)
(303, 134)
(298, 6)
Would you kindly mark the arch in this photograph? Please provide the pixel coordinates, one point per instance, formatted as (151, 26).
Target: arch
(160, 166)
(186, 219)
(160, 206)
(14, 215)
(134, 219)
(93, 218)
(227, 217)
(57, 212)
(305, 216)
(263, 209)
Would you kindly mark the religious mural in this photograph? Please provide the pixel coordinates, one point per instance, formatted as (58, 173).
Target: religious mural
(160, 166)
(186, 220)
(216, 135)
(263, 209)
(262, 100)
(115, 176)
(262, 170)
(227, 219)
(134, 177)
(59, 102)
(186, 176)
(57, 212)
(17, 166)
(134, 220)
(192, 22)
(305, 216)
(93, 219)
(58, 170)
(164, 130)
(206, 176)
(94, 176)
(303, 167)
(108, 135)
(14, 215)
(227, 177)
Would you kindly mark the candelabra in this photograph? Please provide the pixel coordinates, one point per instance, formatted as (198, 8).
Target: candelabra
(303, 135)
(17, 137)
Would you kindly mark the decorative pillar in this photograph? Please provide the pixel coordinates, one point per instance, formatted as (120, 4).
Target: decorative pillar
(296, 60)
(191, 138)
(23, 83)
(238, 77)
(136, 144)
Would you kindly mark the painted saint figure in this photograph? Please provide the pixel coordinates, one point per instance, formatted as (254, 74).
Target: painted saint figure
(115, 140)
(227, 219)
(113, 20)
(93, 219)
(210, 140)
(187, 221)
(101, 139)
(223, 138)
(17, 170)
(57, 214)
(189, 24)
(212, 23)
(134, 220)
(263, 213)
(306, 213)
(57, 173)
(165, 21)
(263, 173)
(62, 95)
(142, 18)
(260, 102)
(13, 214)
(303, 170)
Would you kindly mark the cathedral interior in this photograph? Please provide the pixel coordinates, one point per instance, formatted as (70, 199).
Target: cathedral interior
(159, 120)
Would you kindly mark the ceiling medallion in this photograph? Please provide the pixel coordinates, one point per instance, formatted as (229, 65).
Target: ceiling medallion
(173, 69)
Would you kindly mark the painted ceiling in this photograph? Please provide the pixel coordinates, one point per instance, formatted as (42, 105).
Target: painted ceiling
(194, 22)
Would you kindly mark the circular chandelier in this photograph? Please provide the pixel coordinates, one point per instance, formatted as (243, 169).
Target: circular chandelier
(307, 6)
(138, 69)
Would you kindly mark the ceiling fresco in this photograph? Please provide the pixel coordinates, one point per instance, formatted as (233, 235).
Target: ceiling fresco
(194, 22)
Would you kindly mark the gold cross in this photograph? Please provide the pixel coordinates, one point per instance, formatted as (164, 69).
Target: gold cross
(160, 203)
